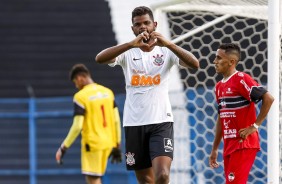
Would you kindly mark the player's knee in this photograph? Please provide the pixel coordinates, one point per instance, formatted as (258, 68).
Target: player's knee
(162, 177)
(145, 180)
(93, 179)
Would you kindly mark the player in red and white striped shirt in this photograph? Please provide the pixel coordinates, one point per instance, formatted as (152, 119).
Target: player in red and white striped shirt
(237, 123)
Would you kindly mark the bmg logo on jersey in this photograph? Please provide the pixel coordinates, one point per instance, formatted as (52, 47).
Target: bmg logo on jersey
(145, 80)
(168, 145)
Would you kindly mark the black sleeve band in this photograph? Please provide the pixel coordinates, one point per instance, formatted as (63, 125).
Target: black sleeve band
(78, 110)
(115, 104)
(256, 93)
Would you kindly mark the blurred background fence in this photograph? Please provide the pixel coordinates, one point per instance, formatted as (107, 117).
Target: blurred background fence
(31, 129)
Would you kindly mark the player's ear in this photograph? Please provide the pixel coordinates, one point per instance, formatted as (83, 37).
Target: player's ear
(232, 62)
(155, 24)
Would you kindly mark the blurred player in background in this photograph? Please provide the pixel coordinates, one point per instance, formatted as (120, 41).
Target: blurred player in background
(96, 116)
(148, 120)
(237, 123)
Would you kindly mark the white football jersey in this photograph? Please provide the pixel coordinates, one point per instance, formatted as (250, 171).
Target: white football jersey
(147, 79)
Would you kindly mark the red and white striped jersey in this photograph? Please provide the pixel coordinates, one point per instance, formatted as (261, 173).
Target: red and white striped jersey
(236, 98)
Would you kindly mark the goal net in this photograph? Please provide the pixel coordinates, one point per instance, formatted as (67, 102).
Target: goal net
(200, 26)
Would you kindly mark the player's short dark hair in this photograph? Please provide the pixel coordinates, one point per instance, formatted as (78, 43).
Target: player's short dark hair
(231, 48)
(78, 69)
(142, 10)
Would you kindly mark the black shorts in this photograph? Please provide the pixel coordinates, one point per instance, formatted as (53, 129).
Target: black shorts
(144, 143)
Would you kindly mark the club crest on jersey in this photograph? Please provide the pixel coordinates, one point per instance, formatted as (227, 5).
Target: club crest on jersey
(130, 158)
(231, 177)
(158, 60)
(229, 91)
(168, 145)
(222, 103)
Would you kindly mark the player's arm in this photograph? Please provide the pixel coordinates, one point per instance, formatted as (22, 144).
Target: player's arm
(187, 59)
(115, 155)
(256, 94)
(217, 139)
(109, 55)
(74, 130)
(267, 100)
(118, 127)
(72, 135)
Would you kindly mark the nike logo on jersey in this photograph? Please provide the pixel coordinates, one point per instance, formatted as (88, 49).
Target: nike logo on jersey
(135, 59)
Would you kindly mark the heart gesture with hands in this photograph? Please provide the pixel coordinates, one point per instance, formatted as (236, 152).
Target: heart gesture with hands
(147, 41)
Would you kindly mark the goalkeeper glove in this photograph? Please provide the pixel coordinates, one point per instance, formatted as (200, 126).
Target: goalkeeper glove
(60, 154)
(116, 155)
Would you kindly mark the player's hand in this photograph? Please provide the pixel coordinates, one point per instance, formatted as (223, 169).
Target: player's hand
(116, 155)
(244, 132)
(140, 40)
(212, 160)
(159, 39)
(60, 154)
(143, 40)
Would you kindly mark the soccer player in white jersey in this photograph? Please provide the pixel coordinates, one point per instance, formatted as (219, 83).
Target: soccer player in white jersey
(148, 120)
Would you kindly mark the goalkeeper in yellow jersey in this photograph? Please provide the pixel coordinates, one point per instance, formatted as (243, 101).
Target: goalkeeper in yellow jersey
(96, 117)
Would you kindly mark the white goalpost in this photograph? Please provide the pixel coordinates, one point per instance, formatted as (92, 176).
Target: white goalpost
(200, 26)
(274, 85)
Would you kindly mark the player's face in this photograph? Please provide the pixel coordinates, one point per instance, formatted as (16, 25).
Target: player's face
(143, 23)
(222, 62)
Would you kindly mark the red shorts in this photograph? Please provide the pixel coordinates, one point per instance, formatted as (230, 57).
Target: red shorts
(238, 164)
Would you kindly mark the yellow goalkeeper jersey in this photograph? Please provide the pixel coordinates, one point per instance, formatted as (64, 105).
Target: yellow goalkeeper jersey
(96, 103)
